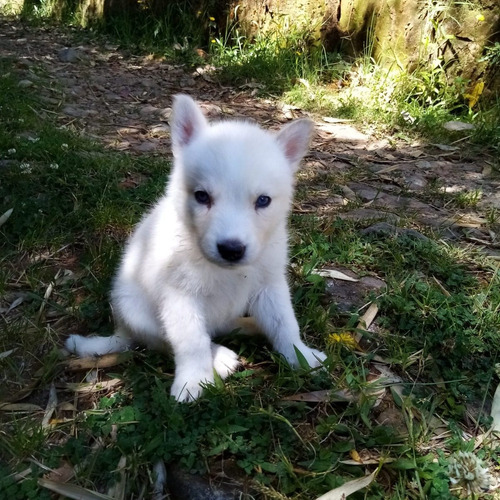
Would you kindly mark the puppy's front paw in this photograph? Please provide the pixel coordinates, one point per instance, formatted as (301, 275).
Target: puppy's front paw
(225, 360)
(187, 385)
(313, 357)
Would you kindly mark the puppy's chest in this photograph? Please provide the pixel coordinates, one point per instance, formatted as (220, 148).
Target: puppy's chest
(227, 296)
(231, 288)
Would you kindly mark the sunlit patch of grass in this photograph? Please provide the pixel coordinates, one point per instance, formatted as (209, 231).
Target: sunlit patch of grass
(274, 60)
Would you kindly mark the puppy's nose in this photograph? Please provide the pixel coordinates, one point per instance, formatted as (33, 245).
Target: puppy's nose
(231, 250)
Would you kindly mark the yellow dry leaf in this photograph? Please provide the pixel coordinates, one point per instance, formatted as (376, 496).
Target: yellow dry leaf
(473, 97)
(355, 456)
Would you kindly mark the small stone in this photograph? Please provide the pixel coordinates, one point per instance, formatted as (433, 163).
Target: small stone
(364, 191)
(146, 146)
(187, 82)
(457, 126)
(380, 229)
(348, 193)
(68, 55)
(360, 214)
(165, 113)
(423, 164)
(75, 112)
(386, 229)
(415, 182)
(148, 109)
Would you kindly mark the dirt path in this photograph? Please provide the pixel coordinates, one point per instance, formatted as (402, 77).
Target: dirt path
(124, 101)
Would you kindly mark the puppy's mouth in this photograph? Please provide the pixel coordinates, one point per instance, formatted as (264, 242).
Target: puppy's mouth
(224, 263)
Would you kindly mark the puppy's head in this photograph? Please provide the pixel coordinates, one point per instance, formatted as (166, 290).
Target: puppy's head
(234, 181)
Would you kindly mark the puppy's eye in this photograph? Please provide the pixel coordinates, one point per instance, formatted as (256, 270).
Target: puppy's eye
(202, 197)
(263, 201)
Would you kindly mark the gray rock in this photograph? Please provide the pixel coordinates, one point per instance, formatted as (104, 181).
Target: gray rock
(360, 214)
(386, 229)
(185, 486)
(350, 296)
(415, 182)
(364, 191)
(69, 55)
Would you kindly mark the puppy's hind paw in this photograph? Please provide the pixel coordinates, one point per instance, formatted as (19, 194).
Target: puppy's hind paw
(225, 361)
(73, 343)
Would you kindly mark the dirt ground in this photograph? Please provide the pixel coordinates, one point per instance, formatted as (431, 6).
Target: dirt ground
(124, 101)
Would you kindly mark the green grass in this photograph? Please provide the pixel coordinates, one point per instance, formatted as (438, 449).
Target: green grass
(438, 330)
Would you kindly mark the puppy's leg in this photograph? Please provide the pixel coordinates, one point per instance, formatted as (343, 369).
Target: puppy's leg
(185, 329)
(135, 321)
(225, 361)
(97, 346)
(274, 314)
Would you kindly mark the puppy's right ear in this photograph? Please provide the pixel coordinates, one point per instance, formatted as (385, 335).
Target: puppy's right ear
(187, 122)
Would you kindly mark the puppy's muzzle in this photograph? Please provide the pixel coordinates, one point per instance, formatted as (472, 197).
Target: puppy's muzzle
(231, 250)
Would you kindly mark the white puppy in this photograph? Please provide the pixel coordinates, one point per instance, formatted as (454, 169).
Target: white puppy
(213, 249)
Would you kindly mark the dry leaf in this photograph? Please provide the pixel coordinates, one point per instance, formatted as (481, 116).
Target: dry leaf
(117, 491)
(72, 491)
(6, 354)
(332, 273)
(348, 488)
(160, 473)
(445, 147)
(105, 361)
(367, 319)
(16, 302)
(322, 396)
(4, 217)
(370, 461)
(415, 153)
(21, 407)
(388, 377)
(329, 119)
(390, 168)
(51, 406)
(495, 411)
(98, 386)
(424, 164)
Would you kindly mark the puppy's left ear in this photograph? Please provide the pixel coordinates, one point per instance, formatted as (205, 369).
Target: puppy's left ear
(294, 138)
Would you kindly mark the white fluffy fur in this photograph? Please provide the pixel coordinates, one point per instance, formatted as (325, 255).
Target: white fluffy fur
(174, 288)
